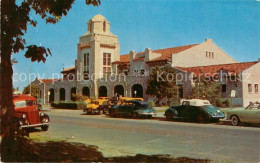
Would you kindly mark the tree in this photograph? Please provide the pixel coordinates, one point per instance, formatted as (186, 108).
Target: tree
(205, 88)
(162, 83)
(14, 21)
(34, 90)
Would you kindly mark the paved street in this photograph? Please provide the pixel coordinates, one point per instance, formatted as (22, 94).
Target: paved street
(122, 136)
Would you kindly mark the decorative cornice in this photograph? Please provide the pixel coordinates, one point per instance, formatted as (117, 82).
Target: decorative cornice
(107, 46)
(85, 46)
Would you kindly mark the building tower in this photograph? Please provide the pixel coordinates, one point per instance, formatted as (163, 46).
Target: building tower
(97, 49)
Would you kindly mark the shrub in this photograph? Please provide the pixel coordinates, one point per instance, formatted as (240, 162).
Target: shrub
(218, 102)
(79, 97)
(151, 103)
(174, 102)
(227, 103)
(69, 105)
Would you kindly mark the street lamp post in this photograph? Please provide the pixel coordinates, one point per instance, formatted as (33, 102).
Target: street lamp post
(135, 93)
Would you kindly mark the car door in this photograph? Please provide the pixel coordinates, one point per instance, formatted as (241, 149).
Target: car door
(124, 108)
(184, 110)
(251, 116)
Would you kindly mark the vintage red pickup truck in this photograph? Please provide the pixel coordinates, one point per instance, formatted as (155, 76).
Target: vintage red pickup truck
(27, 115)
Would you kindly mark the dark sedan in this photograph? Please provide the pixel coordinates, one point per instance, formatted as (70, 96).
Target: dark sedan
(134, 109)
(195, 110)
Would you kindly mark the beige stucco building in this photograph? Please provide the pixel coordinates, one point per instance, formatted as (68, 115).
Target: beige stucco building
(100, 70)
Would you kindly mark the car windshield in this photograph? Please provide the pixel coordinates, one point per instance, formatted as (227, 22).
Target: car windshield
(24, 103)
(253, 106)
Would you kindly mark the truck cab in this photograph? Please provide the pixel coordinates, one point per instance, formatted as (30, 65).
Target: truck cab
(27, 115)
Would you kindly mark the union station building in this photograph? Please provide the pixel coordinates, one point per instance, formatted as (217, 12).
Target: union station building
(101, 71)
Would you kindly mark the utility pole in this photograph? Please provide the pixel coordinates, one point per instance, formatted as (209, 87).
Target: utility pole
(30, 78)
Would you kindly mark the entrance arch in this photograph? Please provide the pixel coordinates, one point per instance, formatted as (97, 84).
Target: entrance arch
(102, 91)
(85, 91)
(138, 89)
(51, 96)
(62, 94)
(119, 89)
(72, 91)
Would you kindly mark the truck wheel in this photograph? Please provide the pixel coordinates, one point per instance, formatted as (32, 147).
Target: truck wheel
(235, 120)
(45, 128)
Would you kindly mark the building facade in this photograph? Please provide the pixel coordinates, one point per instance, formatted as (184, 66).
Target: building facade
(100, 70)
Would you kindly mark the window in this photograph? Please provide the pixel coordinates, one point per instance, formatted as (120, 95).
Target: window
(125, 72)
(142, 72)
(224, 88)
(249, 88)
(256, 88)
(86, 64)
(106, 62)
(209, 54)
(104, 26)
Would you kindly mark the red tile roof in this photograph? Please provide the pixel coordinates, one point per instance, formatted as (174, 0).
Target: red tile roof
(69, 69)
(166, 53)
(212, 70)
(124, 58)
(48, 80)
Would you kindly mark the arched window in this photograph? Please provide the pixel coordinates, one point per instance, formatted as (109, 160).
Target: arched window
(62, 94)
(137, 90)
(104, 26)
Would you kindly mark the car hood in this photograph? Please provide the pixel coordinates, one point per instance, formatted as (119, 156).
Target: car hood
(147, 110)
(212, 110)
(92, 106)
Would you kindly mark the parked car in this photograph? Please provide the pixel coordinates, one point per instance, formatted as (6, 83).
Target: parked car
(27, 114)
(104, 98)
(196, 110)
(250, 114)
(96, 106)
(132, 109)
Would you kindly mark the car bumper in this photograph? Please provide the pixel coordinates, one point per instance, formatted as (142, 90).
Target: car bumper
(35, 125)
(152, 114)
(219, 117)
(88, 110)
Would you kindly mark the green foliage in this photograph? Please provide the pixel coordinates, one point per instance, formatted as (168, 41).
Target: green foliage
(162, 83)
(151, 103)
(174, 103)
(218, 102)
(206, 89)
(35, 91)
(227, 102)
(79, 97)
(69, 105)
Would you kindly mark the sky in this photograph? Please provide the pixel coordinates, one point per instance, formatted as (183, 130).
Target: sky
(233, 25)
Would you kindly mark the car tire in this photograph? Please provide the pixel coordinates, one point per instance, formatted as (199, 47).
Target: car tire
(134, 115)
(200, 118)
(168, 116)
(234, 120)
(45, 128)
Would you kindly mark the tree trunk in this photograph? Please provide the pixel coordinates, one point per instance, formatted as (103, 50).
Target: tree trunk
(6, 94)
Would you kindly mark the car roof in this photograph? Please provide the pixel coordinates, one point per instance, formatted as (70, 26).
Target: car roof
(197, 102)
(22, 97)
